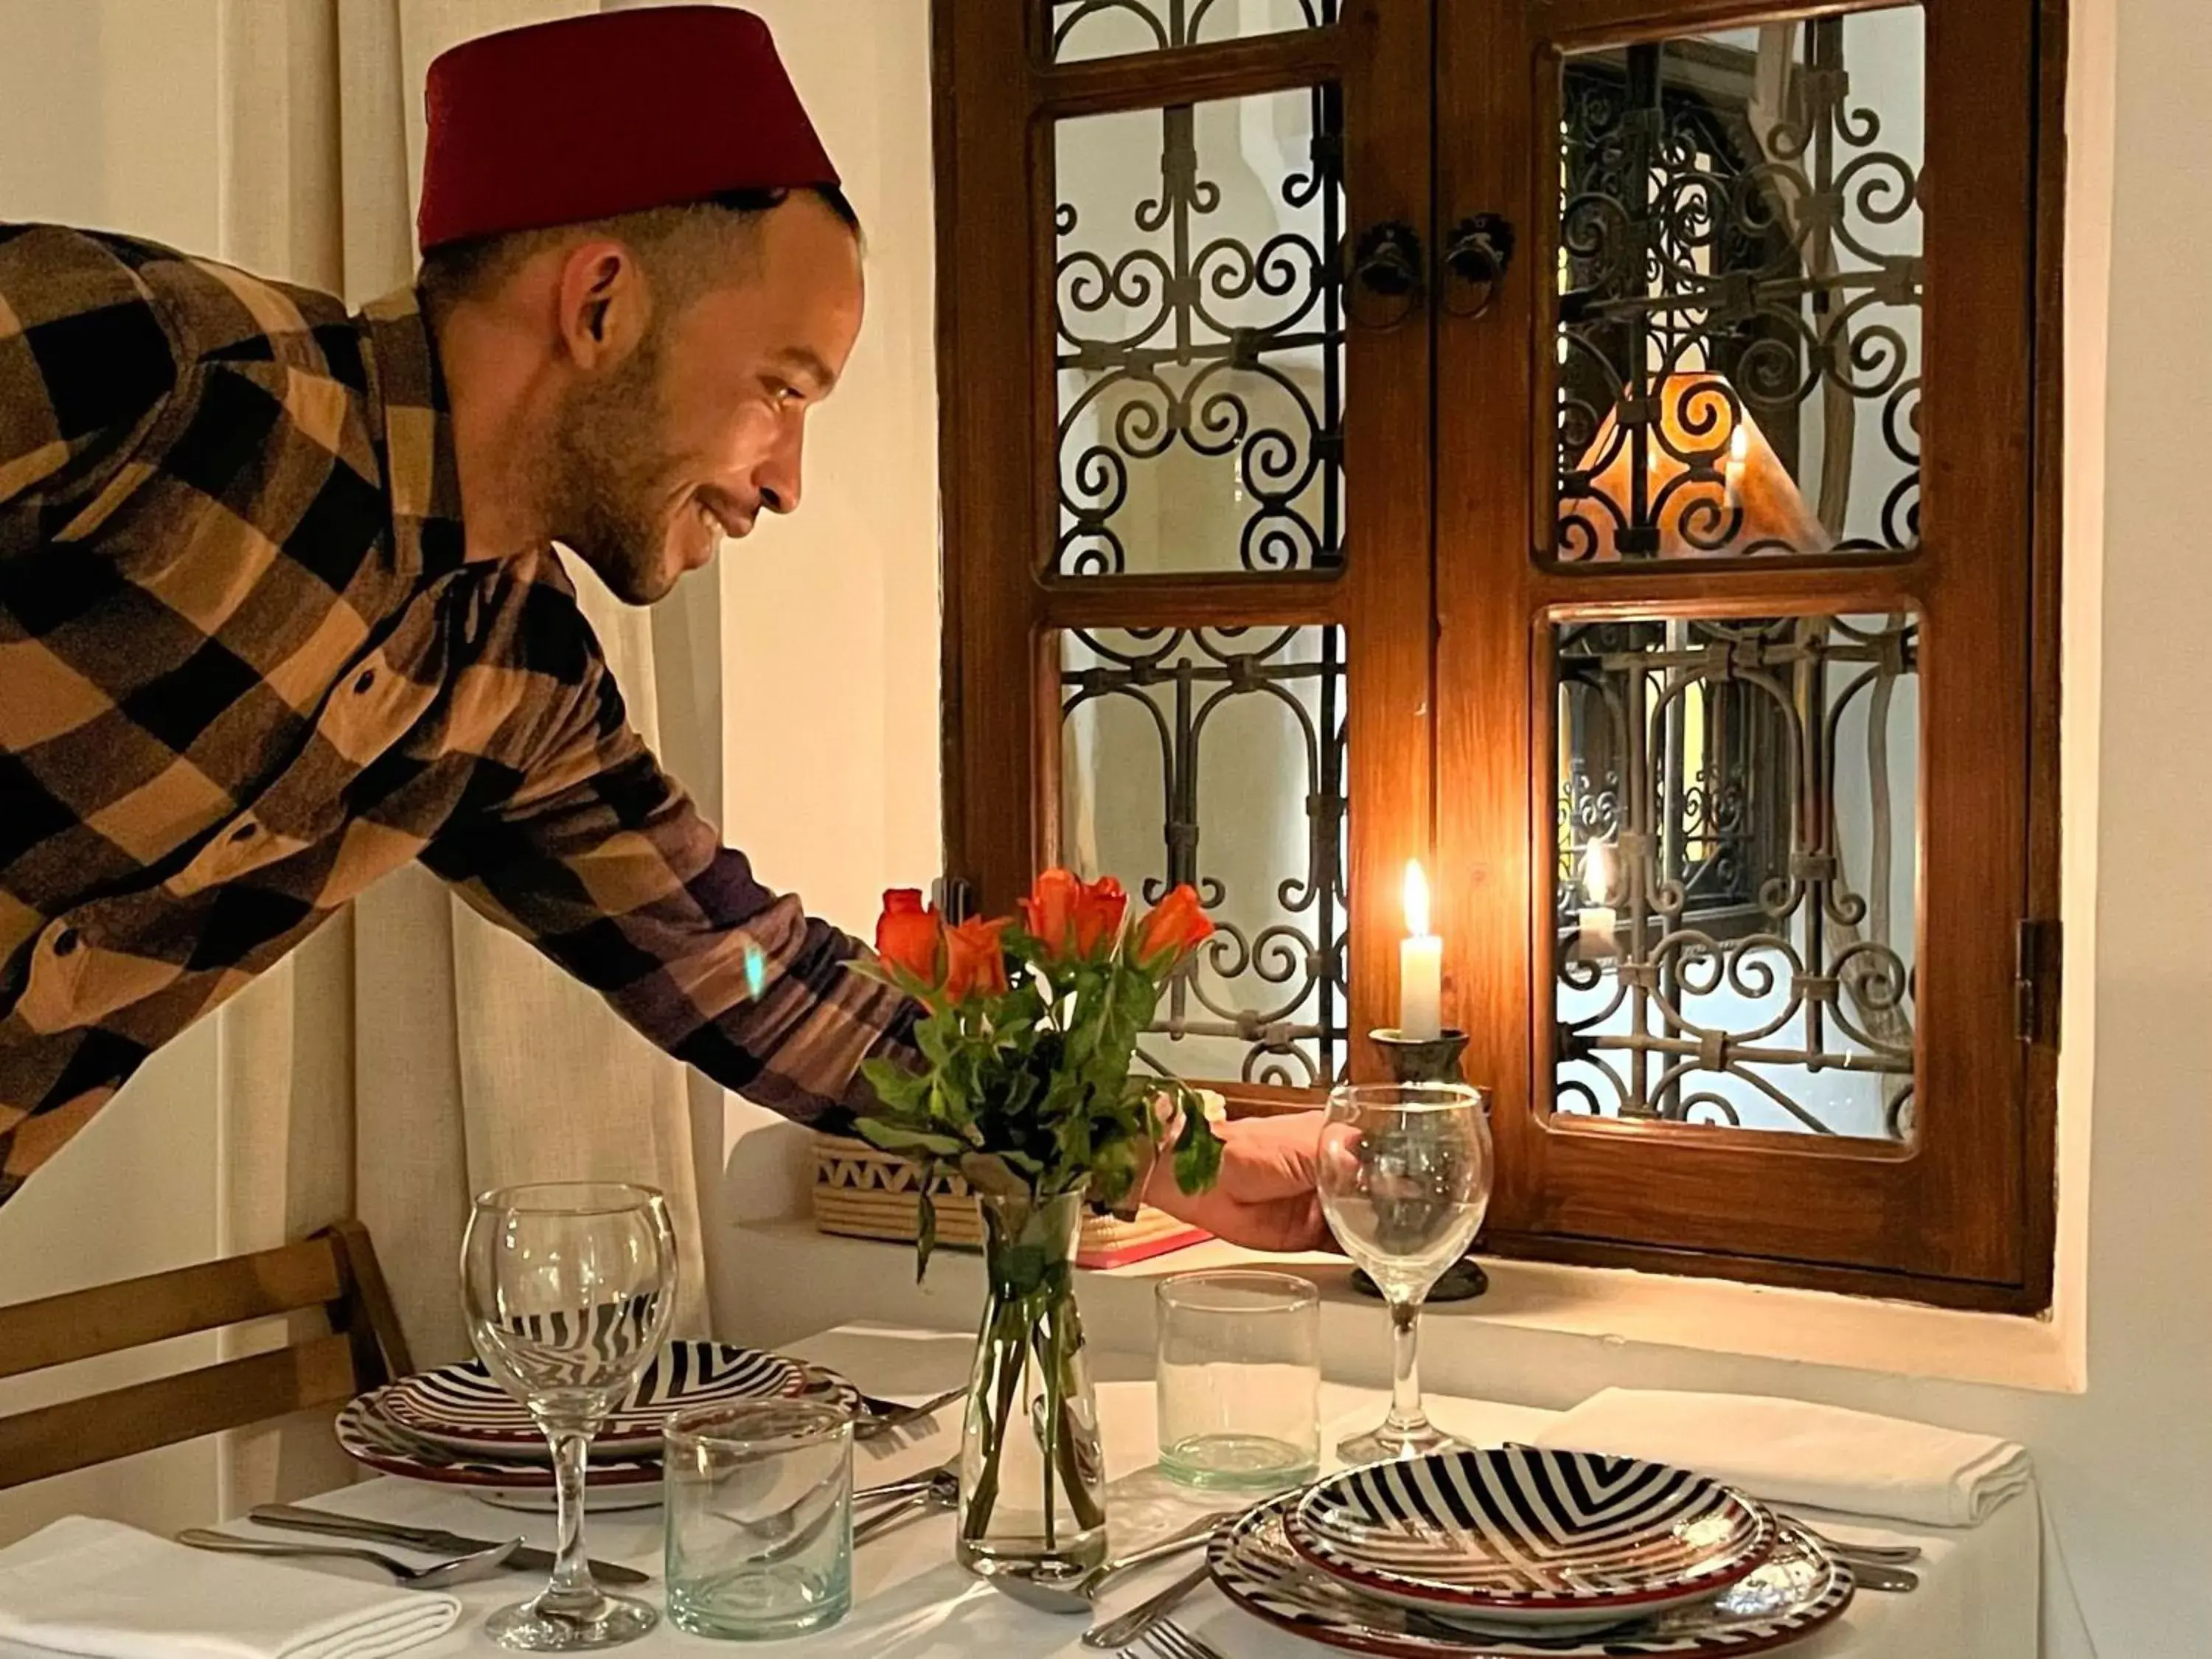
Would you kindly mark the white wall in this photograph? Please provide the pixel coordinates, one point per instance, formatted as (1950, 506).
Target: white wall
(828, 620)
(83, 83)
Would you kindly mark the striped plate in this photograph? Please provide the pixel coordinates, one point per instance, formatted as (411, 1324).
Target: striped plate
(462, 1407)
(1798, 1589)
(1524, 1536)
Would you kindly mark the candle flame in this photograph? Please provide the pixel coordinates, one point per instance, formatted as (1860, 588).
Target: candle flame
(1597, 871)
(1417, 899)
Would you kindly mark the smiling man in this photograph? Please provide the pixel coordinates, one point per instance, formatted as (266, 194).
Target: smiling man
(280, 609)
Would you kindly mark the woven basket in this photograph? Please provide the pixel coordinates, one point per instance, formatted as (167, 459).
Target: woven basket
(861, 1192)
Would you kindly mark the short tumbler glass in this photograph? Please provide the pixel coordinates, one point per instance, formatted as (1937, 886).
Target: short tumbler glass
(759, 1518)
(1239, 1379)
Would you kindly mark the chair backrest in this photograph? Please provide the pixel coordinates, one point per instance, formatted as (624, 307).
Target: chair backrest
(335, 1271)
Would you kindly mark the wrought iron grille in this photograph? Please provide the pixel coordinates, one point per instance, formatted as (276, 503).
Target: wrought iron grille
(1200, 332)
(1266, 999)
(1097, 28)
(1729, 874)
(1740, 278)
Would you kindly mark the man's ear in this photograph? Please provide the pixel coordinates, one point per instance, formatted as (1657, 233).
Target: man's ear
(603, 306)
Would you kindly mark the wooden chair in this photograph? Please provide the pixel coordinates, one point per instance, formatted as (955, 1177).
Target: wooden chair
(336, 1270)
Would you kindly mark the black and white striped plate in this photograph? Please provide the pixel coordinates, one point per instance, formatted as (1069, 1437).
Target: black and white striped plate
(1798, 1589)
(1528, 1536)
(461, 1406)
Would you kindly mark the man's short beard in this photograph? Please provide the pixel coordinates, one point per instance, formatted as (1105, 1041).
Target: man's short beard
(602, 476)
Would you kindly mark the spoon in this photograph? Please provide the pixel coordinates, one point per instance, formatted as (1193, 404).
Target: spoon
(461, 1569)
(1073, 1592)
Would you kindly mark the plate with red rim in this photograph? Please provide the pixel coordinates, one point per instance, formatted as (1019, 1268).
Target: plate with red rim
(1798, 1589)
(372, 1439)
(461, 1408)
(1529, 1535)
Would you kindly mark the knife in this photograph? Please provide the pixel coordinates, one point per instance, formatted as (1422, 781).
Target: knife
(299, 1518)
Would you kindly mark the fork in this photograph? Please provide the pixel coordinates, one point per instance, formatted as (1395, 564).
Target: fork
(1165, 1639)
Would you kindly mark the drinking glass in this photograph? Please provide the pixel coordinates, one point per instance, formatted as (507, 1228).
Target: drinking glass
(568, 1289)
(760, 1518)
(1405, 1175)
(1239, 1379)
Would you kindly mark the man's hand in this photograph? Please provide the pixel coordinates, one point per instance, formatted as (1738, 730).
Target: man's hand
(1265, 1198)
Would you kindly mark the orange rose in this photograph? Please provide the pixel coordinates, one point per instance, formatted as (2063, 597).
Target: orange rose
(1098, 915)
(910, 939)
(974, 961)
(1173, 929)
(1049, 910)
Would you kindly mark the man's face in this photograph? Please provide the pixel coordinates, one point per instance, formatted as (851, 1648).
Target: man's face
(698, 429)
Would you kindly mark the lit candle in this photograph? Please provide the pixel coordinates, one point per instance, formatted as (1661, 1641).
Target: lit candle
(1594, 934)
(1421, 964)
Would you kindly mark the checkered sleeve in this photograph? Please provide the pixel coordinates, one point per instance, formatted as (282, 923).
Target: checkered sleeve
(86, 367)
(601, 860)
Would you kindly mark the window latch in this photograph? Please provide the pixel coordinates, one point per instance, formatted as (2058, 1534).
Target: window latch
(2037, 954)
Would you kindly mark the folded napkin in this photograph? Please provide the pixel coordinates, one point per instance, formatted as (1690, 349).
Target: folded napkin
(1791, 1451)
(96, 1588)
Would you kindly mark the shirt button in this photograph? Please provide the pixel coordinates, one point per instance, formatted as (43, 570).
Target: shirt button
(367, 679)
(66, 941)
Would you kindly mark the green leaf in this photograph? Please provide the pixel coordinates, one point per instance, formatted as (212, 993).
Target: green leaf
(1198, 1150)
(893, 1138)
(925, 1236)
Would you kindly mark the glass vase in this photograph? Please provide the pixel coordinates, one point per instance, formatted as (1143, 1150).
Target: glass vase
(1032, 1480)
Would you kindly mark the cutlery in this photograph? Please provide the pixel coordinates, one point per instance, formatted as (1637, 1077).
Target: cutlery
(1171, 1641)
(1892, 1555)
(1121, 1631)
(461, 1569)
(1874, 1576)
(942, 1493)
(899, 1416)
(299, 1518)
(1074, 1592)
(905, 1488)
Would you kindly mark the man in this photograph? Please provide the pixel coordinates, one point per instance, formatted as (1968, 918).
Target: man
(279, 608)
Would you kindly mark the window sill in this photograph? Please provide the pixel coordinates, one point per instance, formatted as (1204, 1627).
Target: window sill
(1475, 1346)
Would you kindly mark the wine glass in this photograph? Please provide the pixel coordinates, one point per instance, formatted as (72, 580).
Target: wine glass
(1405, 1176)
(569, 1288)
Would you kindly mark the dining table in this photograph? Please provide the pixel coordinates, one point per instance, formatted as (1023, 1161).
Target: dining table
(1976, 1597)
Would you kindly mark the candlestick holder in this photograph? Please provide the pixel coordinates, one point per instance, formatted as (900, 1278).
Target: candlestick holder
(1429, 1059)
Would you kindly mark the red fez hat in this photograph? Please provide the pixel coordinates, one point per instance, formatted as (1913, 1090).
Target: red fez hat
(608, 114)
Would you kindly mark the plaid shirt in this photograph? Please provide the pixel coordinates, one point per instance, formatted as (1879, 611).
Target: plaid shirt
(246, 666)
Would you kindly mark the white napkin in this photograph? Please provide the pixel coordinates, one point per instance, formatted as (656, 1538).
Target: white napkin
(98, 1587)
(1792, 1451)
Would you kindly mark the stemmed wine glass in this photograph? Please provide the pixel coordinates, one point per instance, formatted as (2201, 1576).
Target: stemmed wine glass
(569, 1288)
(1405, 1176)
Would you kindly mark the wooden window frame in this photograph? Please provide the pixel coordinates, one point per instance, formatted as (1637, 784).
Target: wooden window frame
(1440, 103)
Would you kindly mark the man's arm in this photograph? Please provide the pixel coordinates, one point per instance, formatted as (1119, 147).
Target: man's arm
(618, 880)
(601, 860)
(86, 366)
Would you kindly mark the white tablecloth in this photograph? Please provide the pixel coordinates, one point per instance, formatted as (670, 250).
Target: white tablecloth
(1977, 1599)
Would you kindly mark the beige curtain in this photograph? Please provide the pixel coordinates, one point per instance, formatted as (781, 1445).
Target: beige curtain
(411, 1054)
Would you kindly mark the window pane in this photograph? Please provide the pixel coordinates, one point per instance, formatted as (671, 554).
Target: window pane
(1740, 277)
(1737, 877)
(1111, 29)
(1215, 755)
(1200, 351)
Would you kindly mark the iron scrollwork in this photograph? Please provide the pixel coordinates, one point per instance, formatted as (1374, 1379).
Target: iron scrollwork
(1226, 344)
(1702, 822)
(1164, 24)
(1277, 988)
(1741, 262)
